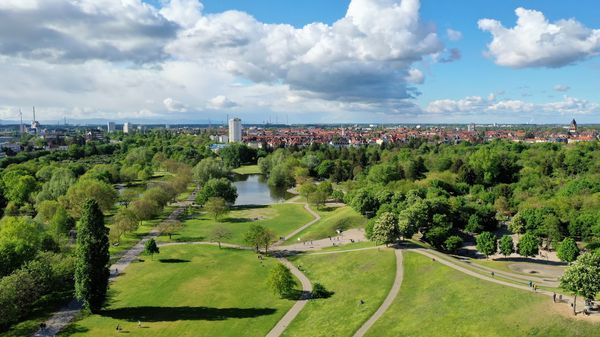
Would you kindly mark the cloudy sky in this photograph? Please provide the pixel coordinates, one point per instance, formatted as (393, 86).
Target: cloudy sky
(331, 61)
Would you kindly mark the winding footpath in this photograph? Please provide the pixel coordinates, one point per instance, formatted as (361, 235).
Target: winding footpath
(298, 306)
(65, 315)
(444, 261)
(388, 300)
(316, 217)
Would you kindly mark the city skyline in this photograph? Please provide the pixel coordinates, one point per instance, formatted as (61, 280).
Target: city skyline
(359, 61)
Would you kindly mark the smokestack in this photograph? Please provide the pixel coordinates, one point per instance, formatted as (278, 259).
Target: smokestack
(34, 113)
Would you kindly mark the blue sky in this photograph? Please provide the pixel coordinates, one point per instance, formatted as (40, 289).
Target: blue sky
(474, 74)
(311, 60)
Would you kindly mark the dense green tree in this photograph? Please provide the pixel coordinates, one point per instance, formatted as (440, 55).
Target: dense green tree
(235, 155)
(104, 194)
(582, 277)
(257, 235)
(528, 245)
(210, 168)
(453, 243)
(487, 243)
(57, 185)
(506, 245)
(415, 169)
(144, 209)
(18, 186)
(364, 202)
(20, 239)
(150, 248)
(385, 173)
(385, 229)
(216, 207)
(281, 280)
(220, 188)
(61, 223)
(91, 271)
(567, 250)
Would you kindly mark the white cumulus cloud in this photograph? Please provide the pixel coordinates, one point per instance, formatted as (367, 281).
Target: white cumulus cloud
(174, 105)
(221, 102)
(536, 42)
(364, 56)
(490, 105)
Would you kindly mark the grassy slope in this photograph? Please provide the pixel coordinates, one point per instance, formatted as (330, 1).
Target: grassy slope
(217, 293)
(281, 218)
(438, 301)
(331, 219)
(247, 169)
(366, 275)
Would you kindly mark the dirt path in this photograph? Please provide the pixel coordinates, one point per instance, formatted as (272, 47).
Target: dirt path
(65, 315)
(566, 300)
(523, 280)
(316, 217)
(388, 300)
(298, 306)
(444, 261)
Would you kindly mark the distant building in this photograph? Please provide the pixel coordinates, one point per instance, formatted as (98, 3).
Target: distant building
(573, 126)
(110, 127)
(235, 130)
(223, 139)
(126, 128)
(471, 127)
(35, 125)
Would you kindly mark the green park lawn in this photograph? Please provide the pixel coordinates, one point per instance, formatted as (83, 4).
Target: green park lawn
(331, 219)
(352, 276)
(247, 169)
(281, 218)
(435, 300)
(189, 291)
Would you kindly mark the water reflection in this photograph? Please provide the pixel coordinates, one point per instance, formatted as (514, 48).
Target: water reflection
(254, 190)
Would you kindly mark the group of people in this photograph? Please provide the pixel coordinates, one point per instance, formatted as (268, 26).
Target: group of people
(533, 286)
(554, 297)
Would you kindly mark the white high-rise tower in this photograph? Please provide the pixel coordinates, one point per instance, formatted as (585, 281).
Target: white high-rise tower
(235, 130)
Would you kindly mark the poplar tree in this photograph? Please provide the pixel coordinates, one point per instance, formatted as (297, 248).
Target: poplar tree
(92, 264)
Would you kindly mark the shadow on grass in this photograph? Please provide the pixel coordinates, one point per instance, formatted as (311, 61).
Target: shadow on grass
(190, 239)
(170, 314)
(236, 220)
(173, 261)
(297, 294)
(532, 261)
(244, 207)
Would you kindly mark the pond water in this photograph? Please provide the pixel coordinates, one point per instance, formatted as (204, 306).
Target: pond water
(253, 190)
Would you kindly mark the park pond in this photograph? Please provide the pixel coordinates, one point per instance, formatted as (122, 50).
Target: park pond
(253, 189)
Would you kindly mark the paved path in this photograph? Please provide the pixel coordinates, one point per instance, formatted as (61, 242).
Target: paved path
(316, 217)
(388, 300)
(298, 306)
(523, 280)
(427, 252)
(65, 315)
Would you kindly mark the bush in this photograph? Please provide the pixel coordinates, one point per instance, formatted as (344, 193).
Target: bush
(453, 243)
(319, 291)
